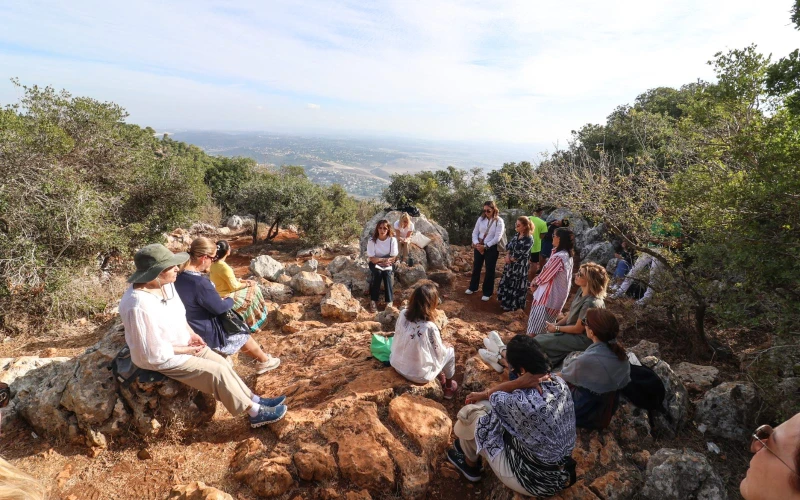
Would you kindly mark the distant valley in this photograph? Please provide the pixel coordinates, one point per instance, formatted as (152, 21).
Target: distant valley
(362, 166)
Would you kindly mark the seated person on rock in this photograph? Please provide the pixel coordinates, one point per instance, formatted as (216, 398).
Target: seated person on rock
(161, 340)
(524, 429)
(596, 374)
(204, 306)
(248, 300)
(567, 334)
(776, 460)
(381, 253)
(404, 229)
(418, 352)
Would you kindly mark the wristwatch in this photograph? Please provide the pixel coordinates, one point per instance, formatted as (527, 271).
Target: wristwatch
(558, 329)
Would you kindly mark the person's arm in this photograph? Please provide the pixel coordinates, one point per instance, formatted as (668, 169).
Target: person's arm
(562, 327)
(476, 233)
(393, 251)
(210, 300)
(521, 249)
(155, 349)
(551, 269)
(524, 381)
(411, 228)
(371, 252)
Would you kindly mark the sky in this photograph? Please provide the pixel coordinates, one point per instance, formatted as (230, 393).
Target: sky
(510, 72)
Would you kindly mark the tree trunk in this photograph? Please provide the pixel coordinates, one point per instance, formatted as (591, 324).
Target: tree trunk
(703, 341)
(273, 230)
(255, 231)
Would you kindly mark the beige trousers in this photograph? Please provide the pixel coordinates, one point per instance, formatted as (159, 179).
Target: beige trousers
(210, 373)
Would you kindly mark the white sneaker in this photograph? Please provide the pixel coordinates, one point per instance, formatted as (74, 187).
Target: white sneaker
(265, 366)
(494, 337)
(491, 359)
(490, 346)
(469, 292)
(485, 298)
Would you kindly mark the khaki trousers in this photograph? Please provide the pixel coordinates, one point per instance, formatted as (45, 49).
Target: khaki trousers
(210, 373)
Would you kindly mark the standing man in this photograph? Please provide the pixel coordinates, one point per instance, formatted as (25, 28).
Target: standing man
(539, 230)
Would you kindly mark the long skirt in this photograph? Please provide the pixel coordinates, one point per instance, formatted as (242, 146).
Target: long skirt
(513, 285)
(250, 303)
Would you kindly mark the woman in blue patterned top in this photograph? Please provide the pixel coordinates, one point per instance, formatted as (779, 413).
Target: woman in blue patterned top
(514, 283)
(524, 429)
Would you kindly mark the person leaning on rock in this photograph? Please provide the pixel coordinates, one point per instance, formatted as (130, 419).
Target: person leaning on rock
(161, 340)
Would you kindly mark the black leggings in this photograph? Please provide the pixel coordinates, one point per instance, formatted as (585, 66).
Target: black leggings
(489, 256)
(379, 277)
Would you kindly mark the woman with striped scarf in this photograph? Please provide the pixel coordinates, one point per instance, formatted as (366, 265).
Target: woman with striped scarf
(551, 287)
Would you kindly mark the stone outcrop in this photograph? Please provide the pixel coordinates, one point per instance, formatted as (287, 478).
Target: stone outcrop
(351, 272)
(697, 378)
(266, 267)
(436, 253)
(729, 410)
(408, 276)
(276, 292)
(197, 491)
(678, 475)
(676, 400)
(339, 304)
(308, 283)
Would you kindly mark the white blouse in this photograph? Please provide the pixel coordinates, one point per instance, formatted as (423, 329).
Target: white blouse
(418, 352)
(492, 228)
(380, 249)
(152, 328)
(403, 231)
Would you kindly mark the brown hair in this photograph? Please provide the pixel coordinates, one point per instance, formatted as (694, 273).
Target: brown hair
(596, 278)
(388, 226)
(422, 306)
(605, 327)
(527, 225)
(494, 208)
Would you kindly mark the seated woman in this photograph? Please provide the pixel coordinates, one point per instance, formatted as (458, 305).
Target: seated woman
(248, 300)
(418, 352)
(161, 340)
(204, 305)
(569, 333)
(776, 460)
(404, 229)
(524, 429)
(381, 252)
(599, 372)
(513, 285)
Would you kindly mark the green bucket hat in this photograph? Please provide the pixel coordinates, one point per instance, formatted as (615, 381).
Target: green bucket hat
(153, 259)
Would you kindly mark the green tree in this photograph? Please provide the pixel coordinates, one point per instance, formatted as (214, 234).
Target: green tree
(225, 178)
(508, 175)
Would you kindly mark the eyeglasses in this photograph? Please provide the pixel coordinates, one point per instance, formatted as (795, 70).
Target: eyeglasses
(487, 211)
(580, 274)
(758, 441)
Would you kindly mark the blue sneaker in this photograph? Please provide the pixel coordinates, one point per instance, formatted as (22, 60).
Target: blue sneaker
(268, 416)
(271, 402)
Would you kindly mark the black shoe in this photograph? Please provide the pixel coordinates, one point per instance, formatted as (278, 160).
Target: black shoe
(457, 446)
(473, 474)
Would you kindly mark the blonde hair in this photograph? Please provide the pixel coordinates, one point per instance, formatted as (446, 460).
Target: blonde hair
(596, 279)
(16, 485)
(526, 224)
(199, 247)
(405, 220)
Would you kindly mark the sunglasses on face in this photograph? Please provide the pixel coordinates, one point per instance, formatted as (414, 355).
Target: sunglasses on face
(580, 274)
(758, 441)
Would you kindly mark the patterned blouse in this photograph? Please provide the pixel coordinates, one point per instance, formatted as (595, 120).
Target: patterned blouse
(544, 424)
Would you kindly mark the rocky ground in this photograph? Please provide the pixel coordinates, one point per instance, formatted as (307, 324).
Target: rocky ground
(355, 429)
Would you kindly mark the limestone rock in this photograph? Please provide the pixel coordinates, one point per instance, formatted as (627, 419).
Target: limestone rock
(197, 491)
(284, 279)
(266, 478)
(339, 304)
(234, 223)
(287, 313)
(310, 265)
(276, 292)
(13, 368)
(697, 378)
(631, 425)
(616, 485)
(266, 267)
(311, 252)
(644, 349)
(676, 400)
(442, 278)
(436, 253)
(388, 318)
(729, 410)
(315, 463)
(408, 276)
(353, 273)
(600, 252)
(307, 283)
(678, 475)
(292, 269)
(424, 421)
(478, 375)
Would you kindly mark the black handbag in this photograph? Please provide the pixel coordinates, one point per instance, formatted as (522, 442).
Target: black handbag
(233, 323)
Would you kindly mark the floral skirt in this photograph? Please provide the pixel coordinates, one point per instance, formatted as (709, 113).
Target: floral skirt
(250, 303)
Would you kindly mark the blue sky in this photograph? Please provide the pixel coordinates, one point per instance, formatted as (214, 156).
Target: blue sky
(513, 71)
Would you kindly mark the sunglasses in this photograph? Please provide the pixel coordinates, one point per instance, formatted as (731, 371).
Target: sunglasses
(758, 441)
(579, 274)
(487, 211)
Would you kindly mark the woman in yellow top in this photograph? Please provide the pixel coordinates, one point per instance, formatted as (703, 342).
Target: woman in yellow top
(247, 297)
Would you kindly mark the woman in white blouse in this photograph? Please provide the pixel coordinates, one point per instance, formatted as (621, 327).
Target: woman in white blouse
(381, 252)
(404, 229)
(418, 352)
(161, 340)
(487, 234)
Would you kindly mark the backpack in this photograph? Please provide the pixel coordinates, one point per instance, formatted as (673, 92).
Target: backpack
(126, 372)
(645, 389)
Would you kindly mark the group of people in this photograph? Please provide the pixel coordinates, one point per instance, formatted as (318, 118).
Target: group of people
(524, 429)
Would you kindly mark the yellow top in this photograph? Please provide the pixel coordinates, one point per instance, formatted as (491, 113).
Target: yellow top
(223, 278)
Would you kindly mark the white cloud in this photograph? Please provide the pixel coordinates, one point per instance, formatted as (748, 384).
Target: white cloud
(517, 71)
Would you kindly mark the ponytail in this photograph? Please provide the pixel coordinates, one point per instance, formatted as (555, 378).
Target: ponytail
(605, 327)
